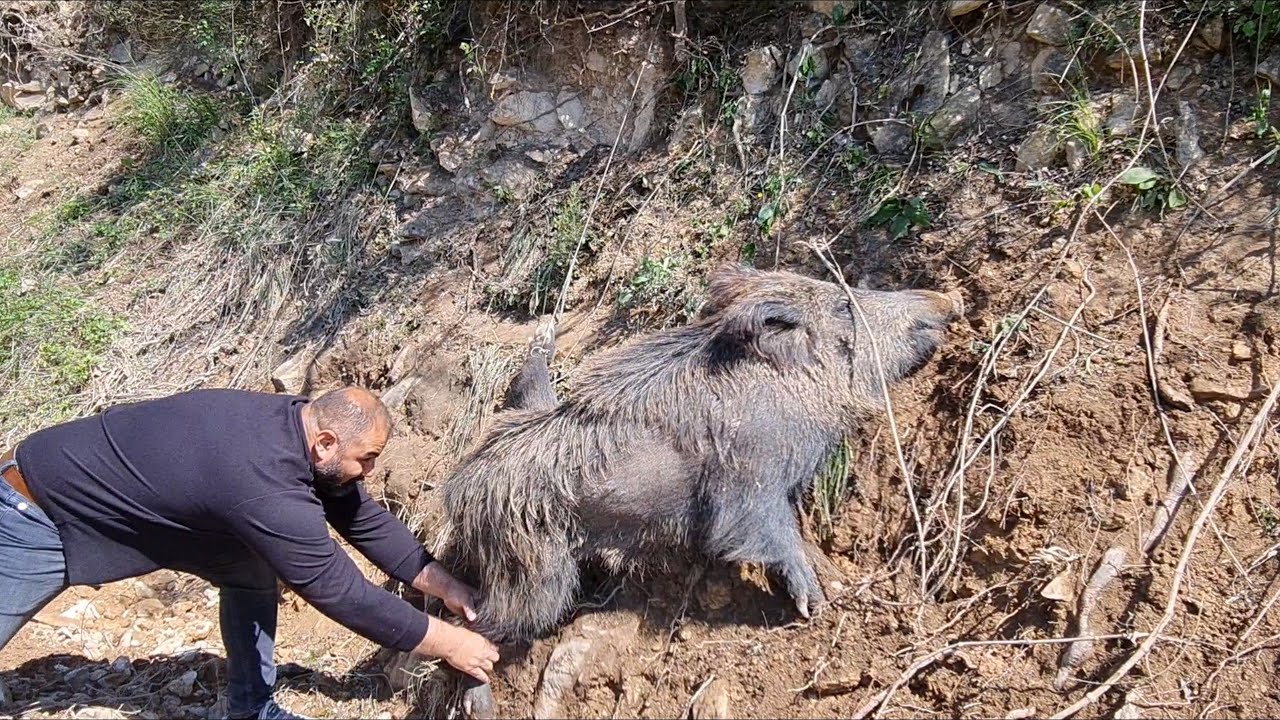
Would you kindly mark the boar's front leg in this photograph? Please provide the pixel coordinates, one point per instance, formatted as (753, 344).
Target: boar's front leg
(531, 389)
(765, 530)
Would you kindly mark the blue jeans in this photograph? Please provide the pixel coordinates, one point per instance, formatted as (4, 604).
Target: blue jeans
(33, 571)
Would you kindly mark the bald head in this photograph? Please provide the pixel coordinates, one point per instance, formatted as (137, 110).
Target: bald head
(352, 412)
(347, 429)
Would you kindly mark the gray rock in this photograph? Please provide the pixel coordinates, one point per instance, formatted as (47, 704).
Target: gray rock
(1120, 111)
(955, 119)
(419, 113)
(1049, 25)
(1213, 32)
(990, 75)
(452, 152)
(183, 685)
(891, 139)
(525, 108)
(24, 97)
(596, 62)
(829, 94)
(295, 375)
(1178, 77)
(200, 69)
(570, 111)
(932, 74)
(819, 66)
(42, 130)
(121, 53)
(1050, 71)
(80, 135)
(513, 176)
(1040, 150)
(1269, 68)
(80, 677)
(956, 8)
(1188, 132)
(1011, 57)
(1077, 154)
(762, 70)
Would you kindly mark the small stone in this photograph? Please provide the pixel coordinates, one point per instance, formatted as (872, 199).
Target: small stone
(596, 62)
(1049, 25)
(1077, 154)
(1040, 150)
(1212, 31)
(891, 138)
(813, 59)
(201, 68)
(121, 53)
(388, 170)
(451, 152)
(1188, 151)
(684, 634)
(990, 75)
(1059, 588)
(183, 685)
(1241, 352)
(80, 135)
(27, 191)
(1021, 714)
(956, 8)
(1050, 70)
(42, 130)
(419, 113)
(1178, 77)
(955, 119)
(712, 702)
(525, 108)
(1269, 69)
(294, 375)
(762, 71)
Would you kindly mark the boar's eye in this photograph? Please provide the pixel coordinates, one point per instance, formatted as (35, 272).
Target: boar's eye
(842, 307)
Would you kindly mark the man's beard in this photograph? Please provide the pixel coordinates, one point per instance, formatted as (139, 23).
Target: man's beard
(328, 478)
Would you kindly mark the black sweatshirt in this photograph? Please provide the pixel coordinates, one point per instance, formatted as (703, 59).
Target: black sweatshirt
(201, 477)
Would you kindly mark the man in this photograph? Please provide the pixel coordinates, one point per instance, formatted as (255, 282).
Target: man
(238, 488)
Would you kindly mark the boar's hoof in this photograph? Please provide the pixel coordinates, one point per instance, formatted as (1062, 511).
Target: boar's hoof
(478, 704)
(804, 588)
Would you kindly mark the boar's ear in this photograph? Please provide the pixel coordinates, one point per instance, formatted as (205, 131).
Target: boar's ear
(771, 329)
(724, 285)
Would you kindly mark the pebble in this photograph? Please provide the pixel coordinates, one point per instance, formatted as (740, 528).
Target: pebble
(1240, 352)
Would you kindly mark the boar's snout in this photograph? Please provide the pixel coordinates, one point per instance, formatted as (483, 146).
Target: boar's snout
(932, 315)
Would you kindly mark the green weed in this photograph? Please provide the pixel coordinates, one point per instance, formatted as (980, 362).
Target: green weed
(51, 341)
(901, 216)
(168, 119)
(831, 488)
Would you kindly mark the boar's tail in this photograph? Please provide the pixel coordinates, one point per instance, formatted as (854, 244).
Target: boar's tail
(512, 510)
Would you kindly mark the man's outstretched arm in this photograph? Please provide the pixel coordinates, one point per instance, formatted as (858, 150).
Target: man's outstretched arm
(288, 530)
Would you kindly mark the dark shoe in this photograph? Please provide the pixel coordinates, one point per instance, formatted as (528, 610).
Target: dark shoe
(272, 711)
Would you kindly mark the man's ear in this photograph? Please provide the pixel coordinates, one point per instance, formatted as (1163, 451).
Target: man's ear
(770, 329)
(326, 446)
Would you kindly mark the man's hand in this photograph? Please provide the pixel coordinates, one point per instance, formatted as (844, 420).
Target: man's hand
(459, 597)
(467, 651)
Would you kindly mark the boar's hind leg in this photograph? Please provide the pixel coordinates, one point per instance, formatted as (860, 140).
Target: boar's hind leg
(531, 389)
(768, 534)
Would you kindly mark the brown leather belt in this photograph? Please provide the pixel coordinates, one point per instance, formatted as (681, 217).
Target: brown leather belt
(13, 476)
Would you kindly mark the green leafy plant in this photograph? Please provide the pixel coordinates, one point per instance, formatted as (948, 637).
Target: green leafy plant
(901, 216)
(1155, 192)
